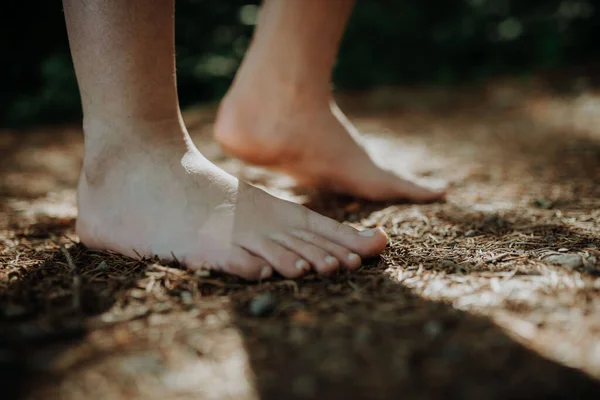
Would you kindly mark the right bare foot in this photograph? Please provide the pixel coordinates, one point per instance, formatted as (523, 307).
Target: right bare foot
(151, 197)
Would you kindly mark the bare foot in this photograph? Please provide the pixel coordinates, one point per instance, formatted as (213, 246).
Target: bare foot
(308, 137)
(162, 197)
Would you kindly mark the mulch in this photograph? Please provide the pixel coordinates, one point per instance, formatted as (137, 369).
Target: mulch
(493, 294)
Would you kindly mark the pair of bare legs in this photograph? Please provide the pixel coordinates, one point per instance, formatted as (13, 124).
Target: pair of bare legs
(146, 189)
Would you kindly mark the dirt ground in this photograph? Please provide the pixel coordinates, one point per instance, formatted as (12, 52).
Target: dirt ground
(493, 294)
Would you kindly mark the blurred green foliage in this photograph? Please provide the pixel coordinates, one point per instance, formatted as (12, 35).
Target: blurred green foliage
(387, 42)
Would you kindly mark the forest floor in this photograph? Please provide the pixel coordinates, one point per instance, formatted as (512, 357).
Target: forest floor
(493, 294)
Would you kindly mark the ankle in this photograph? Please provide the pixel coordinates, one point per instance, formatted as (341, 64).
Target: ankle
(116, 133)
(113, 145)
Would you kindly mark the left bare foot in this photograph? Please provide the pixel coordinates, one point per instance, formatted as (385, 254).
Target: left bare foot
(286, 128)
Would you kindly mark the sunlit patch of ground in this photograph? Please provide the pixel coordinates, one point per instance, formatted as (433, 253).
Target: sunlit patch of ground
(493, 294)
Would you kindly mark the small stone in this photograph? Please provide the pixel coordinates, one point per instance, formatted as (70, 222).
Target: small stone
(563, 250)
(571, 261)
(493, 221)
(541, 203)
(448, 263)
(262, 305)
(490, 219)
(186, 297)
(102, 266)
(470, 233)
(433, 328)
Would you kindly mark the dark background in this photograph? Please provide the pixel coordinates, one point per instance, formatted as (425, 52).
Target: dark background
(387, 43)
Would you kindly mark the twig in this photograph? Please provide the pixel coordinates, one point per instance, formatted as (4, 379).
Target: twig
(175, 258)
(138, 254)
(69, 238)
(289, 283)
(76, 278)
(169, 270)
(497, 258)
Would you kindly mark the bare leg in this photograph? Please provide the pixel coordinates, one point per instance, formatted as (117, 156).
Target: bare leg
(145, 189)
(280, 113)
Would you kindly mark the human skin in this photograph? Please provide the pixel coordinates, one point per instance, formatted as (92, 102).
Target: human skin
(145, 189)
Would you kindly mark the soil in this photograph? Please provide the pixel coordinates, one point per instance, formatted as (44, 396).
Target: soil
(493, 294)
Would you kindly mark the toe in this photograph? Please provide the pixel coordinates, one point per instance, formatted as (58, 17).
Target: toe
(321, 260)
(284, 261)
(347, 258)
(247, 266)
(368, 243)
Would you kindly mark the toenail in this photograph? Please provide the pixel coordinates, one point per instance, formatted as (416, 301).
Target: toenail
(369, 233)
(331, 260)
(301, 264)
(265, 272)
(353, 257)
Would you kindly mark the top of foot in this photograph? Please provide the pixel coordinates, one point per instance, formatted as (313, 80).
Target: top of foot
(170, 201)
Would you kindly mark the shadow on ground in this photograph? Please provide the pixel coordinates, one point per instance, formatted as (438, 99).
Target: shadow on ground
(358, 336)
(365, 337)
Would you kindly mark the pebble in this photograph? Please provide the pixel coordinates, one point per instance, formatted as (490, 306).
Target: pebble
(571, 261)
(491, 219)
(262, 305)
(470, 234)
(186, 297)
(433, 328)
(102, 266)
(541, 203)
(448, 263)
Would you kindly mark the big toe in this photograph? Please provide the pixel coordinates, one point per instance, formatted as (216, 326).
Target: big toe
(367, 243)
